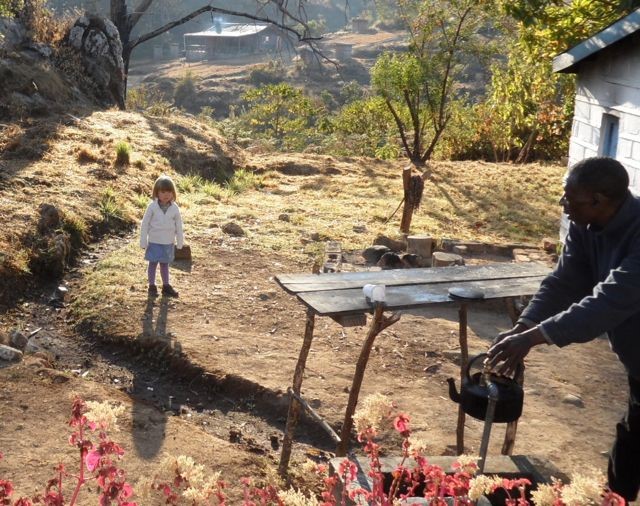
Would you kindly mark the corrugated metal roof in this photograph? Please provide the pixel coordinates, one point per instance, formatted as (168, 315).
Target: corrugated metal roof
(567, 61)
(230, 30)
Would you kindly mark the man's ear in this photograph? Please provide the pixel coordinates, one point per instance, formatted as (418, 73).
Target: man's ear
(600, 198)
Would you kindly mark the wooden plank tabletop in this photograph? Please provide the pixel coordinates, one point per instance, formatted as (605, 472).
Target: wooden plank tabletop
(352, 301)
(300, 283)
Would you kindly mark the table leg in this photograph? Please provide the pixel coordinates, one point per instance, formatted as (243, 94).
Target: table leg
(512, 427)
(378, 324)
(294, 406)
(464, 359)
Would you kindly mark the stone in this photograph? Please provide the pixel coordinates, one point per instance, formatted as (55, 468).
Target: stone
(233, 229)
(98, 41)
(17, 339)
(284, 217)
(392, 244)
(460, 249)
(374, 253)
(550, 245)
(442, 259)
(49, 218)
(10, 354)
(573, 399)
(390, 260)
(32, 346)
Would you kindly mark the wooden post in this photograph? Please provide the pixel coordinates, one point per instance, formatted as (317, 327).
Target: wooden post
(464, 359)
(378, 324)
(294, 407)
(512, 427)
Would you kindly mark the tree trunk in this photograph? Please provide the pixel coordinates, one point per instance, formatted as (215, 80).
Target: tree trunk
(407, 210)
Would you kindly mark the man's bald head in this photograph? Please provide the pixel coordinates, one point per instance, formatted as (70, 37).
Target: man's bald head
(605, 176)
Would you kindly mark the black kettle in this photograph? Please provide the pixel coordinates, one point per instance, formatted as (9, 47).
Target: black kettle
(474, 394)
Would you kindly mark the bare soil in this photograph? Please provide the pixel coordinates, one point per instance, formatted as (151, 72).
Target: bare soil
(235, 336)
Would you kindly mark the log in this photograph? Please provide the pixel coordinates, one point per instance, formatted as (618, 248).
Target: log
(422, 246)
(442, 259)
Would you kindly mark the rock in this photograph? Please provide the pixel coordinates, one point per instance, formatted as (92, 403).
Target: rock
(410, 260)
(390, 260)
(574, 400)
(549, 245)
(460, 249)
(14, 34)
(284, 217)
(17, 339)
(442, 259)
(374, 253)
(359, 229)
(10, 354)
(392, 244)
(49, 218)
(233, 229)
(98, 41)
(32, 346)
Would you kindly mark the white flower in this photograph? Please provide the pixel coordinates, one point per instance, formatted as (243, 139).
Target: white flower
(584, 489)
(482, 485)
(373, 410)
(104, 414)
(294, 497)
(544, 495)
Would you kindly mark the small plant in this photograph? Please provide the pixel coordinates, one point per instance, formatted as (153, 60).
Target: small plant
(243, 180)
(189, 183)
(77, 230)
(110, 207)
(123, 154)
(141, 200)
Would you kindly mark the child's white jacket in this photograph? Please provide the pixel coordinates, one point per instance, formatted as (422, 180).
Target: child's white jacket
(161, 228)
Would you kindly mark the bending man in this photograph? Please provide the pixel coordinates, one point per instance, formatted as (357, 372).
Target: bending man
(595, 288)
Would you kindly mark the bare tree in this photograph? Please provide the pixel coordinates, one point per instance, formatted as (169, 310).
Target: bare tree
(292, 21)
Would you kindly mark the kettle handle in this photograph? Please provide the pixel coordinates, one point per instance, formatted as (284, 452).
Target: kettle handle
(517, 376)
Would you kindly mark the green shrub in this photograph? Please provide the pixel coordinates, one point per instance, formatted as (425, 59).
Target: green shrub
(270, 73)
(145, 98)
(185, 94)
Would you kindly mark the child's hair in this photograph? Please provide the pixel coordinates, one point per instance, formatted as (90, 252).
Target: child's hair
(164, 183)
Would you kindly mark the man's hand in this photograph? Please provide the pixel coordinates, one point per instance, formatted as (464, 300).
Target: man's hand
(517, 329)
(510, 349)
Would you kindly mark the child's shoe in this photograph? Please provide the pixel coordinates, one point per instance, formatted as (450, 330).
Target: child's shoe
(169, 291)
(153, 291)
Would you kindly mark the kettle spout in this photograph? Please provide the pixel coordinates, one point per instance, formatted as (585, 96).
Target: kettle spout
(453, 393)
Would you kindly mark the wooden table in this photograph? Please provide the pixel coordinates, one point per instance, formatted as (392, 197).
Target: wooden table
(339, 296)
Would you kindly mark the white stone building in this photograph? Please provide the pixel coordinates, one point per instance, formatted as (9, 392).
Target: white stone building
(606, 120)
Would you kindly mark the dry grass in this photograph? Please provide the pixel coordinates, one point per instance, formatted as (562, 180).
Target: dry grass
(323, 197)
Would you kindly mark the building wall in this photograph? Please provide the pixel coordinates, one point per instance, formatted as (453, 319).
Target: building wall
(609, 84)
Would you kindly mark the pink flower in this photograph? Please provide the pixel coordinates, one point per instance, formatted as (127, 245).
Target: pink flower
(401, 423)
(92, 460)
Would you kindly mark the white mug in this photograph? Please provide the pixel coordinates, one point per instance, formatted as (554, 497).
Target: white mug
(375, 293)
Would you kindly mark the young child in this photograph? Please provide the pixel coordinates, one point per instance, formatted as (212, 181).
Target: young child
(161, 227)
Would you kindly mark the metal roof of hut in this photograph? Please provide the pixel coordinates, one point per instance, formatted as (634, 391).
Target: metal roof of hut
(230, 30)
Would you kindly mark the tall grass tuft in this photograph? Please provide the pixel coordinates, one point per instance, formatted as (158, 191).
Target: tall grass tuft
(243, 180)
(123, 154)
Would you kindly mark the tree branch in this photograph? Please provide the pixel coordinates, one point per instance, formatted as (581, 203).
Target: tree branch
(135, 16)
(400, 126)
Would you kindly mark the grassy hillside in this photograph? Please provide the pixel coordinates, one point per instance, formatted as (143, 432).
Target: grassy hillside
(289, 203)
